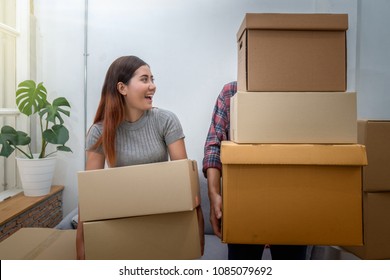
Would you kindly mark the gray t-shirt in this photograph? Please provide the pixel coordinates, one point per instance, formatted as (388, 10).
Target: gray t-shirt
(144, 141)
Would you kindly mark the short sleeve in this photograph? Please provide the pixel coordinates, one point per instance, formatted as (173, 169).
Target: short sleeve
(93, 135)
(170, 126)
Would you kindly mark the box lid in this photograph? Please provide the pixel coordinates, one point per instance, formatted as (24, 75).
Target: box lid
(295, 154)
(273, 21)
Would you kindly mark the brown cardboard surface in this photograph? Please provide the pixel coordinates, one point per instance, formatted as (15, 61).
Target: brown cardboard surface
(376, 212)
(39, 244)
(283, 21)
(162, 236)
(138, 190)
(292, 52)
(293, 117)
(375, 135)
(282, 202)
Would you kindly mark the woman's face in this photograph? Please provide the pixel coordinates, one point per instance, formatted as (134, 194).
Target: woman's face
(139, 90)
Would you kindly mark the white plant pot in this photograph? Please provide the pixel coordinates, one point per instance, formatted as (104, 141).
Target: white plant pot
(36, 175)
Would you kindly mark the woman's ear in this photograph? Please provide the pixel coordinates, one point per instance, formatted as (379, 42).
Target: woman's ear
(121, 87)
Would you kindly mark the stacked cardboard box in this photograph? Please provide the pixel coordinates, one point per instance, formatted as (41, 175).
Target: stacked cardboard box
(292, 52)
(293, 117)
(141, 212)
(292, 173)
(39, 244)
(375, 135)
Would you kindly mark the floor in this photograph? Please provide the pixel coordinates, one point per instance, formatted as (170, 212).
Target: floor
(321, 253)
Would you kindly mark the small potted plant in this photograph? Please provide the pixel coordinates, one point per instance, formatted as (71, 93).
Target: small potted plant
(31, 99)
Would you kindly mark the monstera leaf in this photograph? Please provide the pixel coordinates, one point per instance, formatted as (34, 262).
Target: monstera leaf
(10, 138)
(54, 110)
(30, 98)
(58, 134)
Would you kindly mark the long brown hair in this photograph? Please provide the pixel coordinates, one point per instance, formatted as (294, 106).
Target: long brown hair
(112, 106)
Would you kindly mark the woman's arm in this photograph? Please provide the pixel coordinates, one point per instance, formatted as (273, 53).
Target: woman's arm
(94, 161)
(177, 150)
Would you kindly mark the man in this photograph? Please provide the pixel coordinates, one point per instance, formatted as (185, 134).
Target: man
(212, 170)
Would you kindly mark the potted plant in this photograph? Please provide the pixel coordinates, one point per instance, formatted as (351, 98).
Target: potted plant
(31, 99)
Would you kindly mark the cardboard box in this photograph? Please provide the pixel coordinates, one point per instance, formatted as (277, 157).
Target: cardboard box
(292, 52)
(293, 117)
(164, 236)
(375, 135)
(39, 244)
(292, 194)
(137, 190)
(376, 212)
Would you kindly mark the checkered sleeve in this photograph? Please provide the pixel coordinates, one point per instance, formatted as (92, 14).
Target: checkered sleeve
(219, 128)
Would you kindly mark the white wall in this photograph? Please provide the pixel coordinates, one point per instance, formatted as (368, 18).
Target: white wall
(373, 46)
(60, 46)
(189, 44)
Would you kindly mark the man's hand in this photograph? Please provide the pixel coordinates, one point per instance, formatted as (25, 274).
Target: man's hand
(214, 186)
(216, 214)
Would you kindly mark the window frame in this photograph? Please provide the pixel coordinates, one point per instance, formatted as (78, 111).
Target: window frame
(21, 33)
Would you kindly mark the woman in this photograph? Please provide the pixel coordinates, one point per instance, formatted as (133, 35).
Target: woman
(127, 130)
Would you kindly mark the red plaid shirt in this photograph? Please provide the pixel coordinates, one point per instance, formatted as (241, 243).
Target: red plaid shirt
(219, 128)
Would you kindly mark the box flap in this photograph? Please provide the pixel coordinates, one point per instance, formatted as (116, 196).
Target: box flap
(297, 154)
(294, 22)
